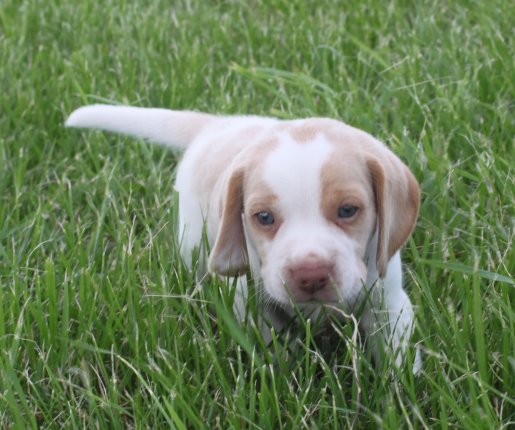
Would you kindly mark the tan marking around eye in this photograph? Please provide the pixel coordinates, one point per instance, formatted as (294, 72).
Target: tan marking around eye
(345, 181)
(260, 197)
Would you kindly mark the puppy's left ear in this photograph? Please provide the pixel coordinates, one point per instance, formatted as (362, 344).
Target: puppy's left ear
(397, 196)
(229, 254)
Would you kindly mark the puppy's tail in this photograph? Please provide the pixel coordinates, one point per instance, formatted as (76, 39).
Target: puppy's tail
(167, 127)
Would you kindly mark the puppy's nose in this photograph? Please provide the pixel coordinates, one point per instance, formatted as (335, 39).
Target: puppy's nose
(311, 276)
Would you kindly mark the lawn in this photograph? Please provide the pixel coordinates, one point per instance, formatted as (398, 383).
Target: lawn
(102, 326)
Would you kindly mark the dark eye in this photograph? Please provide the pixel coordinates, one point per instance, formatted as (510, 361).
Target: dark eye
(347, 211)
(265, 218)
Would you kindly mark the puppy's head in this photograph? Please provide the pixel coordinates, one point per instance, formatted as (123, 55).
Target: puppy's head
(303, 209)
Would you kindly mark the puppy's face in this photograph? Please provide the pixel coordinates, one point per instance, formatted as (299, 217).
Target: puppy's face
(304, 212)
(309, 215)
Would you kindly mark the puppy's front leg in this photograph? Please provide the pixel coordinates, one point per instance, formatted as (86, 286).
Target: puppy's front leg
(400, 325)
(388, 318)
(241, 298)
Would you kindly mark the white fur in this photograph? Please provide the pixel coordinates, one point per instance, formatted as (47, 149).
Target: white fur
(292, 171)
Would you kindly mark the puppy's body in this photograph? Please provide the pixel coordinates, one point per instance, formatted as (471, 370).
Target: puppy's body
(316, 208)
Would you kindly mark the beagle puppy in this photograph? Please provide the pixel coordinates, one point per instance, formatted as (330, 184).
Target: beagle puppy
(318, 210)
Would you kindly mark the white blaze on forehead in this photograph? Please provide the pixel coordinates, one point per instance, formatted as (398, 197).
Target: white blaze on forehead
(293, 170)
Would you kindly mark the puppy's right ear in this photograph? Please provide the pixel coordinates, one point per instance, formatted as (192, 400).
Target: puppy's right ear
(229, 255)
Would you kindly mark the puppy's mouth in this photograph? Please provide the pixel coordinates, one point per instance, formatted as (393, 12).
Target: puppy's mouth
(316, 299)
(321, 293)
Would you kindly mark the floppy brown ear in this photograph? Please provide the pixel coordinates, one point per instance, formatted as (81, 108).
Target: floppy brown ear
(397, 196)
(229, 254)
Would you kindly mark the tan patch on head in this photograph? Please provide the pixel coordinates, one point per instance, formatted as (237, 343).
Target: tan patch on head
(307, 130)
(345, 181)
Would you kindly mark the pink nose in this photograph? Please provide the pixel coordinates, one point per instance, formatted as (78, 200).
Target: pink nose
(311, 276)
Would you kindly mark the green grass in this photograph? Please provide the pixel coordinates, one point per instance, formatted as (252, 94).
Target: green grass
(101, 325)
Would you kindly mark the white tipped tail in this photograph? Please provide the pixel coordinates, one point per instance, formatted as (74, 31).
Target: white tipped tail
(168, 127)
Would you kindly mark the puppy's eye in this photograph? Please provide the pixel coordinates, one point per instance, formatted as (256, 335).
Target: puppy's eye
(347, 211)
(265, 218)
